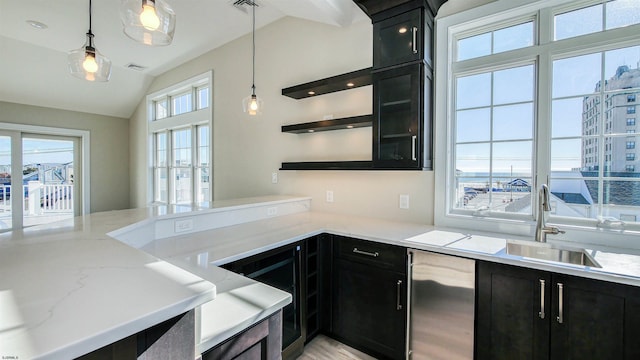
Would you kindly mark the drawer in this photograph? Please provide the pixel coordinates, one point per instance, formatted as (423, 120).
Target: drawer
(372, 253)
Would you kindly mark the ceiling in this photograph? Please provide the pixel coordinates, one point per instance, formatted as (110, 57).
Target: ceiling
(33, 62)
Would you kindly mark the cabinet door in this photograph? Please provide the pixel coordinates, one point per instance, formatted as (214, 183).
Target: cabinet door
(369, 309)
(399, 109)
(591, 319)
(513, 313)
(399, 39)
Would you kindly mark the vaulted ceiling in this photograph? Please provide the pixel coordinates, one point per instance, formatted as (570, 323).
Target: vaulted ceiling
(33, 62)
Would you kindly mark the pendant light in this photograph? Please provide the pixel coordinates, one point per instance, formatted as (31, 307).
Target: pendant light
(253, 104)
(87, 63)
(150, 22)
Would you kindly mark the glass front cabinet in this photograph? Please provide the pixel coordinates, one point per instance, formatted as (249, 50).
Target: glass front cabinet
(401, 103)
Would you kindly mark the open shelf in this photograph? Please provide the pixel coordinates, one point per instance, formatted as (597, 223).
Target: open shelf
(328, 165)
(333, 124)
(350, 80)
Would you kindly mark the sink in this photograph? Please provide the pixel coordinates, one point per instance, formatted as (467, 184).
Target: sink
(551, 252)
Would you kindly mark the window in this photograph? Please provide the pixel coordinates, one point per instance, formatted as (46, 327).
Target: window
(181, 143)
(549, 109)
(183, 100)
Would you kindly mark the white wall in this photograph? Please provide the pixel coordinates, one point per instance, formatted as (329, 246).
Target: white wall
(248, 149)
(109, 178)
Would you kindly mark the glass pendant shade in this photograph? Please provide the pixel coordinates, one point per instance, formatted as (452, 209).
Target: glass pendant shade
(252, 105)
(150, 22)
(88, 64)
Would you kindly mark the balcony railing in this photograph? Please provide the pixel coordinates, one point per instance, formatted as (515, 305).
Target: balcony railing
(40, 198)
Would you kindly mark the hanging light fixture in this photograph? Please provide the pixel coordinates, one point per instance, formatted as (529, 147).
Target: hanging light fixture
(151, 22)
(253, 104)
(87, 63)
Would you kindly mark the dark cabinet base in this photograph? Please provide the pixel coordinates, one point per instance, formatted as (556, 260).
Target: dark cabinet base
(532, 314)
(262, 341)
(172, 339)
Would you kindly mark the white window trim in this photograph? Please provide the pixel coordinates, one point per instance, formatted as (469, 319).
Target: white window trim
(85, 155)
(190, 119)
(504, 11)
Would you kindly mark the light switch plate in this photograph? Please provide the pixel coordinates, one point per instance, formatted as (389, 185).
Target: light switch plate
(329, 196)
(404, 201)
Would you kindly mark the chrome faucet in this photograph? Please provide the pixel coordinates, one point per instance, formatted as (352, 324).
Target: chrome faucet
(544, 206)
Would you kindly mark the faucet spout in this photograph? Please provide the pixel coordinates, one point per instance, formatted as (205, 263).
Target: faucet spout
(544, 206)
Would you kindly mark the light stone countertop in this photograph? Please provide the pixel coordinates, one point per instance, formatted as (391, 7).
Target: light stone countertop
(70, 287)
(67, 289)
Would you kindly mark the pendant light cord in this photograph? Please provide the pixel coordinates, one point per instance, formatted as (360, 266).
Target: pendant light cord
(253, 79)
(90, 34)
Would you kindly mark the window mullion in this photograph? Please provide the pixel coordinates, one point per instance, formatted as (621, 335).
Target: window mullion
(194, 161)
(170, 168)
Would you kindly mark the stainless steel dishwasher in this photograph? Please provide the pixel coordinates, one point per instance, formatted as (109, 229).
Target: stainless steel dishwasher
(442, 306)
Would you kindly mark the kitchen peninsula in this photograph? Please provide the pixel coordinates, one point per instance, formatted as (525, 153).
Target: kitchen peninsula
(75, 286)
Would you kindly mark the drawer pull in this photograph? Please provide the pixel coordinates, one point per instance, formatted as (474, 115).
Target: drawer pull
(560, 317)
(398, 295)
(541, 313)
(375, 254)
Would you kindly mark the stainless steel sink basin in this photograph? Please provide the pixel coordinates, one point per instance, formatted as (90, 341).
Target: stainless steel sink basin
(550, 252)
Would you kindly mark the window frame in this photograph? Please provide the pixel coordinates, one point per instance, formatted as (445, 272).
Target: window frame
(545, 50)
(193, 120)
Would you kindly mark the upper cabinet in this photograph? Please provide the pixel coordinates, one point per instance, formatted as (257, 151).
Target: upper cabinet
(401, 103)
(402, 39)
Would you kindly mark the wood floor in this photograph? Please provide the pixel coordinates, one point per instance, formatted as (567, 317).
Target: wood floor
(325, 348)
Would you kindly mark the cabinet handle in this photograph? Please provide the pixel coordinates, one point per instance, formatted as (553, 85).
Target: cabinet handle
(398, 294)
(560, 317)
(415, 39)
(413, 147)
(541, 313)
(375, 254)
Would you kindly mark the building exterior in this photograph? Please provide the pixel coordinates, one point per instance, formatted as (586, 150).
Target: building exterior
(620, 122)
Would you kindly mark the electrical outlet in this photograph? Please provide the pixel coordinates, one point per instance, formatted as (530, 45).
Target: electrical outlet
(274, 178)
(272, 211)
(329, 196)
(184, 225)
(404, 201)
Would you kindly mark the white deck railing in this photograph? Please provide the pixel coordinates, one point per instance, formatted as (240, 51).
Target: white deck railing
(40, 198)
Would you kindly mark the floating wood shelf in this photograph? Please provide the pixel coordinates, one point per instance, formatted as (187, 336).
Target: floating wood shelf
(328, 165)
(326, 125)
(350, 80)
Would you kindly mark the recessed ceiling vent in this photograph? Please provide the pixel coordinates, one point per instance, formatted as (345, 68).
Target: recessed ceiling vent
(245, 5)
(135, 67)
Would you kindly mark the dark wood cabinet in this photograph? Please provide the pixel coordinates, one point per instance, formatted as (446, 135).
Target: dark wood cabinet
(599, 319)
(531, 314)
(370, 297)
(262, 341)
(402, 87)
(508, 323)
(401, 104)
(400, 39)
